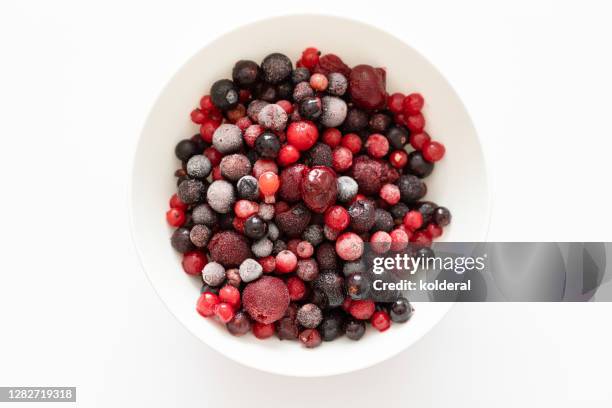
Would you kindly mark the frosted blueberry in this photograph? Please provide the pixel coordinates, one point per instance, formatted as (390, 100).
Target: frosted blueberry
(203, 214)
(199, 166)
(266, 211)
(347, 188)
(334, 111)
(273, 231)
(262, 248)
(248, 188)
(250, 270)
(309, 315)
(221, 196)
(337, 84)
(227, 138)
(213, 274)
(273, 117)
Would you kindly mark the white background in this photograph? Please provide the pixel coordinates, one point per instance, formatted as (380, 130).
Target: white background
(77, 79)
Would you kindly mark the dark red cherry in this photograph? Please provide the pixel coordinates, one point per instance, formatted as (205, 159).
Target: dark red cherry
(319, 188)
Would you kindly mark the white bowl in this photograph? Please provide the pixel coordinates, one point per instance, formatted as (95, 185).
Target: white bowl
(458, 182)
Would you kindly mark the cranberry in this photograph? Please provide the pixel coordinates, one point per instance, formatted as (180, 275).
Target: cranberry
(352, 142)
(377, 146)
(304, 249)
(302, 134)
(213, 155)
(349, 246)
(262, 166)
(197, 116)
(216, 173)
(175, 217)
(367, 87)
(337, 218)
(319, 188)
(206, 104)
(419, 140)
(286, 261)
(394, 102)
(342, 159)
(193, 262)
(268, 263)
(224, 312)
(318, 82)
(287, 155)
(413, 104)
(262, 330)
(433, 230)
(362, 309)
(175, 202)
(416, 122)
(310, 57)
(206, 304)
(231, 295)
(399, 239)
(413, 220)
(390, 193)
(207, 128)
(381, 242)
(433, 151)
(244, 123)
(332, 137)
(297, 288)
(245, 208)
(398, 159)
(380, 320)
(421, 238)
(310, 338)
(293, 244)
(252, 133)
(238, 224)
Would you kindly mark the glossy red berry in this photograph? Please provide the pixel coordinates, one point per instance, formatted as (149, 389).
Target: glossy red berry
(433, 230)
(262, 330)
(419, 140)
(332, 137)
(310, 57)
(175, 202)
(413, 220)
(231, 295)
(302, 134)
(352, 142)
(362, 309)
(380, 320)
(395, 102)
(268, 183)
(342, 159)
(433, 151)
(287, 155)
(207, 129)
(297, 288)
(337, 218)
(224, 312)
(206, 304)
(398, 159)
(390, 193)
(244, 123)
(416, 122)
(413, 104)
(304, 249)
(193, 262)
(377, 146)
(206, 104)
(286, 261)
(175, 217)
(197, 116)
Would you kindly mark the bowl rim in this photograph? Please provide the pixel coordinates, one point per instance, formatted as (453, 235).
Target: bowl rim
(140, 140)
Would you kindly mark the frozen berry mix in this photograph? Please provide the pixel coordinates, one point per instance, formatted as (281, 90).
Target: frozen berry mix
(296, 167)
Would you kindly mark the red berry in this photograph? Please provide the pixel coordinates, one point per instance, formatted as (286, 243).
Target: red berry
(287, 155)
(293, 244)
(332, 137)
(394, 102)
(421, 238)
(207, 129)
(337, 218)
(302, 134)
(262, 166)
(381, 242)
(362, 309)
(416, 122)
(262, 330)
(400, 119)
(380, 320)
(268, 183)
(252, 133)
(390, 193)
(268, 263)
(310, 338)
(398, 159)
(224, 312)
(346, 304)
(245, 208)
(349, 246)
(342, 159)
(216, 173)
(413, 220)
(193, 262)
(175, 217)
(352, 142)
(238, 224)
(244, 96)
(377, 146)
(318, 82)
(419, 140)
(280, 207)
(358, 197)
(399, 239)
(286, 105)
(433, 151)
(297, 288)
(206, 304)
(413, 104)
(231, 295)
(206, 104)
(304, 249)
(243, 123)
(197, 116)
(433, 230)
(213, 155)
(310, 57)
(286, 261)
(175, 202)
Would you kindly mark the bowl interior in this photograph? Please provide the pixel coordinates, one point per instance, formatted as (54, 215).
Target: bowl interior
(459, 181)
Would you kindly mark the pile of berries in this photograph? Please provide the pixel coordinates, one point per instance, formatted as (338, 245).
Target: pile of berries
(292, 172)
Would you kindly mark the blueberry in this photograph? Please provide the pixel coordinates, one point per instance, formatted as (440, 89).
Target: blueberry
(398, 137)
(199, 166)
(199, 235)
(332, 285)
(213, 274)
(221, 196)
(181, 241)
(320, 155)
(384, 221)
(227, 138)
(318, 298)
(357, 286)
(266, 92)
(255, 227)
(262, 248)
(240, 324)
(326, 256)
(250, 270)
(332, 325)
(245, 73)
(356, 120)
(273, 231)
(310, 108)
(427, 209)
(418, 166)
(411, 188)
(224, 94)
(300, 74)
(313, 234)
(354, 329)
(380, 122)
(400, 310)
(334, 111)
(363, 215)
(309, 315)
(284, 90)
(276, 68)
(347, 188)
(337, 84)
(399, 210)
(301, 91)
(191, 191)
(279, 246)
(185, 149)
(267, 145)
(203, 214)
(248, 188)
(442, 216)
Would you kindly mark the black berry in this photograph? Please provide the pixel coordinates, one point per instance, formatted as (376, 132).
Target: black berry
(224, 94)
(276, 68)
(418, 166)
(245, 73)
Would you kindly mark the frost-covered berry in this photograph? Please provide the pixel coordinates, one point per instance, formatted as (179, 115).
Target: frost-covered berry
(262, 248)
(301, 91)
(347, 188)
(273, 117)
(199, 166)
(250, 270)
(213, 274)
(254, 108)
(313, 234)
(203, 214)
(199, 235)
(273, 231)
(300, 74)
(221, 196)
(276, 68)
(191, 191)
(309, 316)
(266, 211)
(227, 138)
(248, 188)
(334, 111)
(337, 84)
(235, 166)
